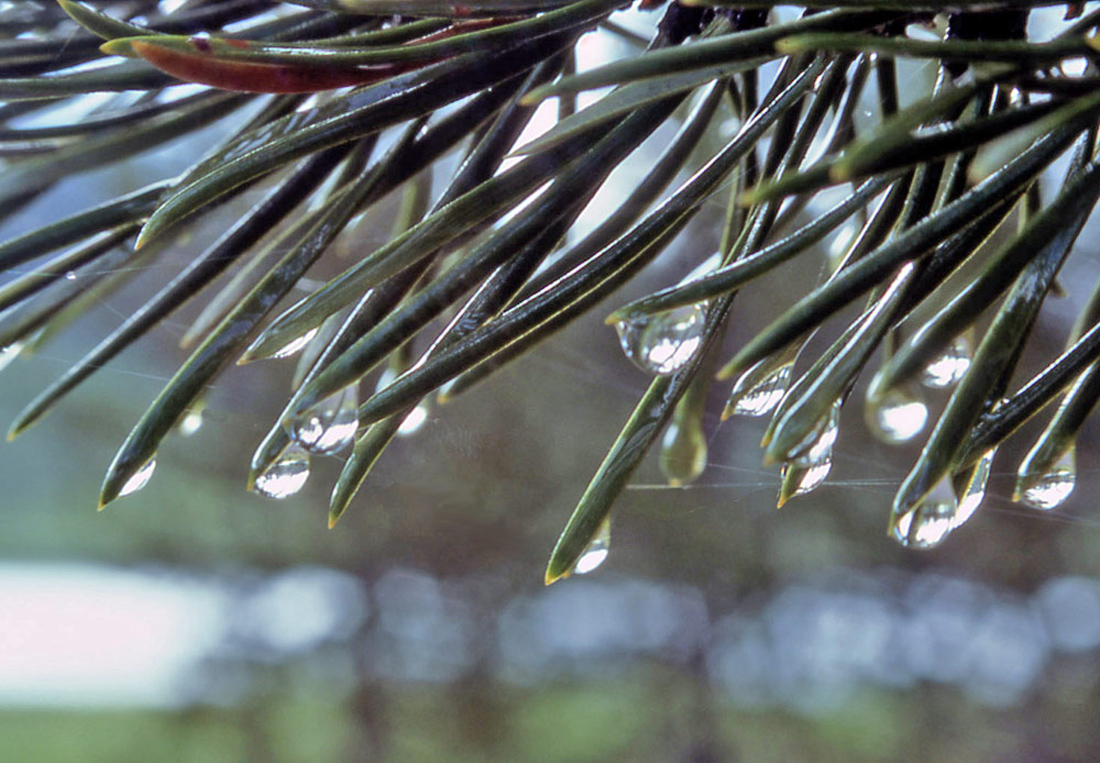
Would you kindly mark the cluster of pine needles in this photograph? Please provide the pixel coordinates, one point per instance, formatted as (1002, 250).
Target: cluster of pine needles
(337, 104)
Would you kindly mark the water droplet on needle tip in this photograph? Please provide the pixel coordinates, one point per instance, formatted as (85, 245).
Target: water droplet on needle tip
(329, 426)
(1051, 488)
(286, 476)
(139, 479)
(595, 553)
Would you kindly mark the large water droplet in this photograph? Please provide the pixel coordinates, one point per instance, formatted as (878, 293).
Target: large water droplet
(818, 444)
(758, 390)
(663, 343)
(596, 551)
(140, 478)
(1049, 489)
(970, 487)
(896, 416)
(930, 521)
(286, 475)
(295, 345)
(950, 367)
(330, 425)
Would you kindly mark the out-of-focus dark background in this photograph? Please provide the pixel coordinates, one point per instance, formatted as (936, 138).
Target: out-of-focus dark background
(193, 621)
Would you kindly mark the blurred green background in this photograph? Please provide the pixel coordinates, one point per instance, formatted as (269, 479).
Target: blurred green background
(195, 622)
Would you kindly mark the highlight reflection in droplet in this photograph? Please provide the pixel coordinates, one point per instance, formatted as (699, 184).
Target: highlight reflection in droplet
(295, 345)
(597, 550)
(896, 416)
(191, 422)
(950, 367)
(414, 421)
(9, 353)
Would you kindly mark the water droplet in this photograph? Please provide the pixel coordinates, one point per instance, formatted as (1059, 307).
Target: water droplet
(1049, 489)
(330, 425)
(417, 417)
(818, 444)
(970, 487)
(596, 551)
(683, 452)
(10, 353)
(896, 416)
(663, 343)
(140, 478)
(70, 276)
(812, 460)
(414, 421)
(191, 422)
(294, 345)
(950, 367)
(286, 475)
(758, 390)
(799, 479)
(930, 521)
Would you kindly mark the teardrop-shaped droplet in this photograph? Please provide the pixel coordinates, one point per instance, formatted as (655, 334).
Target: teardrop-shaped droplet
(818, 444)
(930, 521)
(1049, 489)
(663, 343)
(683, 453)
(970, 487)
(596, 551)
(330, 425)
(286, 475)
(811, 464)
(10, 353)
(799, 479)
(950, 367)
(896, 416)
(295, 345)
(758, 390)
(140, 478)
